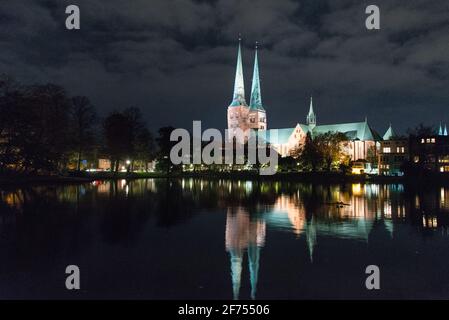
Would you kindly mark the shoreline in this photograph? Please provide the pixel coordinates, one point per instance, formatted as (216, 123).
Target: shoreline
(320, 177)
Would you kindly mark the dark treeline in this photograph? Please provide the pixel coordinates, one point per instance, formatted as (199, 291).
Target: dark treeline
(45, 131)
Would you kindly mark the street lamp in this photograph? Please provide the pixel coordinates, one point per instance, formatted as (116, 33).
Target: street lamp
(128, 167)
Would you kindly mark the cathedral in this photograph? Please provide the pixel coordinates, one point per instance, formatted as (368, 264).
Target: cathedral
(253, 118)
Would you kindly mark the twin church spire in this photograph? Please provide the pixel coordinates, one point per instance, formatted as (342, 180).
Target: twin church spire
(239, 85)
(442, 132)
(238, 98)
(256, 97)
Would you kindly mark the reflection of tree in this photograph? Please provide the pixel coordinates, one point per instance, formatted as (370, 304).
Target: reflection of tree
(58, 221)
(173, 206)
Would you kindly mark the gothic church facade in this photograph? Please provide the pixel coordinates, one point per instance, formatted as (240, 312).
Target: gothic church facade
(362, 138)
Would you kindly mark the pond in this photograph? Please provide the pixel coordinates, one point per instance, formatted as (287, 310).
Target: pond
(222, 239)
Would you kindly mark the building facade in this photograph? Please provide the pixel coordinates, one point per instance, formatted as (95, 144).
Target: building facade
(240, 115)
(431, 152)
(393, 153)
(362, 141)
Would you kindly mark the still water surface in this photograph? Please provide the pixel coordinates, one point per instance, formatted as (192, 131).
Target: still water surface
(198, 239)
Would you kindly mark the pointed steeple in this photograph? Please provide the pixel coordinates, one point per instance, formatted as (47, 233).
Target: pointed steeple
(440, 130)
(256, 97)
(445, 131)
(239, 85)
(389, 133)
(311, 118)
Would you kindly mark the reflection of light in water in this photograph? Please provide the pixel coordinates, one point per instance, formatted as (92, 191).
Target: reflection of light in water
(13, 199)
(429, 222)
(417, 204)
(387, 209)
(371, 190)
(444, 201)
(103, 188)
(357, 189)
(248, 186)
(127, 189)
(122, 183)
(401, 211)
(285, 205)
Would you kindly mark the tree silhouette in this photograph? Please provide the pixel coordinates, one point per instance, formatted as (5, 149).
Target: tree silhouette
(84, 119)
(165, 146)
(118, 138)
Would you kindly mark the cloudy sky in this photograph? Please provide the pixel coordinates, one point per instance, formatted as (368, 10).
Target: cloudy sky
(175, 59)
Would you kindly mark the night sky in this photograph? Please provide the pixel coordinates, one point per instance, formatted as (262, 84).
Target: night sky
(175, 59)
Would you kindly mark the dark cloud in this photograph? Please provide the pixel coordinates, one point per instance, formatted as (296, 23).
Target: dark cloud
(175, 58)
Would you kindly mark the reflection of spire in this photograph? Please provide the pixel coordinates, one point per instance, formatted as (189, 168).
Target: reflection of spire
(236, 271)
(253, 261)
(311, 236)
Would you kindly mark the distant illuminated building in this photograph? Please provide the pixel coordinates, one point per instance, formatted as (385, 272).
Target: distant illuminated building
(361, 138)
(393, 153)
(431, 152)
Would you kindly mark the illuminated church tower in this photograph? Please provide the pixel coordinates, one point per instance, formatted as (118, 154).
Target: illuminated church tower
(240, 115)
(257, 114)
(311, 117)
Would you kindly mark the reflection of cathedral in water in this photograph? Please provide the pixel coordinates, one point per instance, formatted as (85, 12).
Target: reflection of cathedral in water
(362, 211)
(244, 234)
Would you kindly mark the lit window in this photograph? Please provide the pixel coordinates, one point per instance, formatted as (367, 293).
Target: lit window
(432, 140)
(422, 141)
(386, 150)
(428, 140)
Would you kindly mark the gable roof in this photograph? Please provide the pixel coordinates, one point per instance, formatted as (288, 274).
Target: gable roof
(389, 133)
(354, 130)
(276, 136)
